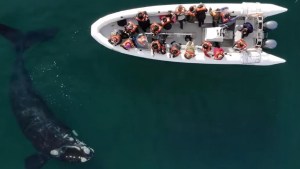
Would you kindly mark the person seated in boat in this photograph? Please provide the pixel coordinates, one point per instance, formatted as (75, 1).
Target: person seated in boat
(155, 28)
(143, 20)
(131, 28)
(166, 22)
(141, 41)
(201, 14)
(218, 53)
(116, 37)
(216, 16)
(240, 45)
(127, 44)
(115, 40)
(157, 47)
(191, 14)
(225, 15)
(190, 49)
(175, 49)
(162, 38)
(206, 47)
(172, 16)
(180, 14)
(247, 29)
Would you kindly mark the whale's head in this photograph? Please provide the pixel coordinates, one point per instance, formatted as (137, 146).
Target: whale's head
(73, 151)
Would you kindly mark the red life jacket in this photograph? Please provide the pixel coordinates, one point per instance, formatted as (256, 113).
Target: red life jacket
(218, 53)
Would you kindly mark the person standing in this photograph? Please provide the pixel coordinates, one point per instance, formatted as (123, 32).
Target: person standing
(143, 20)
(190, 14)
(216, 16)
(180, 14)
(201, 14)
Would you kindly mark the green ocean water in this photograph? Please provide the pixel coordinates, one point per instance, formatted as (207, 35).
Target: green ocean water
(147, 114)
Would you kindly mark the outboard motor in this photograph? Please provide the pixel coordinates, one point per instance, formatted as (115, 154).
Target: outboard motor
(270, 25)
(269, 44)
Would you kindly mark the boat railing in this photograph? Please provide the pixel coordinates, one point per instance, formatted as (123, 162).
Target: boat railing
(177, 34)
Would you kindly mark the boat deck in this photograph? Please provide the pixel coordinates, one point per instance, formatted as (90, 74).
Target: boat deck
(177, 34)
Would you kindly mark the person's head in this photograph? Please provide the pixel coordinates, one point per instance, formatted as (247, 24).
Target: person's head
(127, 45)
(154, 46)
(227, 15)
(164, 19)
(174, 50)
(187, 55)
(180, 7)
(192, 8)
(142, 38)
(205, 46)
(240, 44)
(155, 28)
(115, 39)
(129, 26)
(140, 15)
(200, 5)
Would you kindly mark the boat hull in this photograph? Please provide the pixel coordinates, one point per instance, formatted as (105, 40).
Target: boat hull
(100, 31)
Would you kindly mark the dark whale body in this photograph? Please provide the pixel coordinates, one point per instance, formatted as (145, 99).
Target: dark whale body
(50, 137)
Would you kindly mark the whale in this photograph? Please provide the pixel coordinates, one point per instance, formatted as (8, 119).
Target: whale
(51, 138)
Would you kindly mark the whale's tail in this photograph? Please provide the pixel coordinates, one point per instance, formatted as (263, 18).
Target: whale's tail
(23, 41)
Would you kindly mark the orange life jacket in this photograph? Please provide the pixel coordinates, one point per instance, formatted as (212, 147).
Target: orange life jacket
(131, 27)
(241, 44)
(115, 39)
(153, 26)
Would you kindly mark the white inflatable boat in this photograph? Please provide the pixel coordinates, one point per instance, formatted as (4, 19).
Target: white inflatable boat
(223, 35)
